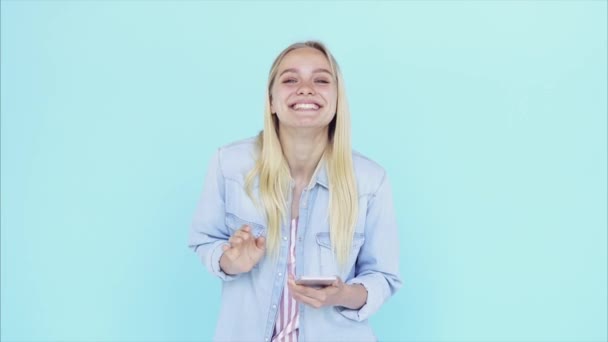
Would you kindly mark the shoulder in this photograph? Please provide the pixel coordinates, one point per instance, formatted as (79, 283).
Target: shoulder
(369, 174)
(237, 158)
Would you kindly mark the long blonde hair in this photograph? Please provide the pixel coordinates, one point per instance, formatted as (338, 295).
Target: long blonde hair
(274, 175)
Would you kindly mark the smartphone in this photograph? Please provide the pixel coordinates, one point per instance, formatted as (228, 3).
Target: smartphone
(315, 281)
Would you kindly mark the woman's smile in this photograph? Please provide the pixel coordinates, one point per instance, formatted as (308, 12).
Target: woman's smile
(305, 107)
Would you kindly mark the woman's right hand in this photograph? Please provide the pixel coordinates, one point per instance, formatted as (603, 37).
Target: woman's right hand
(243, 252)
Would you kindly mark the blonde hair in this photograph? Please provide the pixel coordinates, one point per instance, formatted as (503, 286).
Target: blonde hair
(274, 175)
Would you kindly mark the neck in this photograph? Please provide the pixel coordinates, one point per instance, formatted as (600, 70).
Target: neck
(303, 150)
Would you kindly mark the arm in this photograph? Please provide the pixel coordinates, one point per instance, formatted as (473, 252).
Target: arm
(336, 294)
(377, 267)
(208, 232)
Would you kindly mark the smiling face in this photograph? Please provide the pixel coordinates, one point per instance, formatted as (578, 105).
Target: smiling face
(304, 92)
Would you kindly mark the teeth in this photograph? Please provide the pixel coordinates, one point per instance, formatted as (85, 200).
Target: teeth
(305, 106)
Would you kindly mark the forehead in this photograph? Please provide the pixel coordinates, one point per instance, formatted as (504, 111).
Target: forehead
(304, 60)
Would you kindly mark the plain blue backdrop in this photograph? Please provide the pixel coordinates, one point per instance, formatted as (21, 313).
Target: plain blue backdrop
(490, 118)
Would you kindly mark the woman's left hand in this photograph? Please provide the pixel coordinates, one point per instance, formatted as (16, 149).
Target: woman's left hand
(318, 297)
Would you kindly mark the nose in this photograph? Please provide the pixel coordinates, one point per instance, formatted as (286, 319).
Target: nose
(305, 89)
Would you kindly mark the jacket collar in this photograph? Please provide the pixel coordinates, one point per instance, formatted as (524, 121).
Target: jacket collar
(320, 175)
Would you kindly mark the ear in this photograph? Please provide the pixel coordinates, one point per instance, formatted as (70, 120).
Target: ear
(272, 110)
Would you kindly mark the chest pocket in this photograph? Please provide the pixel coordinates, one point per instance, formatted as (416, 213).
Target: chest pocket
(234, 223)
(329, 264)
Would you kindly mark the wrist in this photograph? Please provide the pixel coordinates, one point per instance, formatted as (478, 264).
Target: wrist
(353, 296)
(225, 267)
(345, 295)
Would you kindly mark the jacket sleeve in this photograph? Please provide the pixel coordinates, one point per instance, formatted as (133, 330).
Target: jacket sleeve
(377, 266)
(208, 231)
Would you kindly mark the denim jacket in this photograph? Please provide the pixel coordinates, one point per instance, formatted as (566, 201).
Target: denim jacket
(250, 300)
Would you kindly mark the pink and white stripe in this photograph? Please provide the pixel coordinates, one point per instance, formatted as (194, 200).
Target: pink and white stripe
(286, 328)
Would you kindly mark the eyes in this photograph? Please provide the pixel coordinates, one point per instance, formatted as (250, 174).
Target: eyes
(293, 80)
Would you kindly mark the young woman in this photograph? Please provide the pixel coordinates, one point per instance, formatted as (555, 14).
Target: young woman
(297, 201)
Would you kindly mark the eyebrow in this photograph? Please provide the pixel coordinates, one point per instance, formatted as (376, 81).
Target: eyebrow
(314, 71)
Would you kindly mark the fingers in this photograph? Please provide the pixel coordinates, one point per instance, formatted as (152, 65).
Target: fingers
(307, 291)
(243, 234)
(301, 294)
(260, 242)
(229, 252)
(307, 300)
(315, 297)
(240, 236)
(235, 241)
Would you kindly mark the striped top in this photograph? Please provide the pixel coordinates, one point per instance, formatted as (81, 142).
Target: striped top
(286, 328)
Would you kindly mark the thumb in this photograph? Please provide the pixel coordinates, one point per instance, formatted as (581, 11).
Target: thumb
(260, 242)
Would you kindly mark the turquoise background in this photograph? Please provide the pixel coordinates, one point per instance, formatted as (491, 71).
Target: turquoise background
(490, 118)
